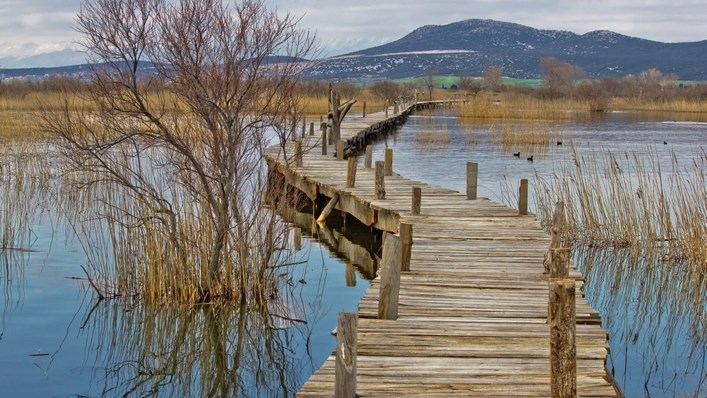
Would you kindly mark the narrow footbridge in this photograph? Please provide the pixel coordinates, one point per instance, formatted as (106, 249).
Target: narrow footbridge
(470, 313)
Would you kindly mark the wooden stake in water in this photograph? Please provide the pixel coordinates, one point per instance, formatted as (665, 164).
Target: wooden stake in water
(389, 161)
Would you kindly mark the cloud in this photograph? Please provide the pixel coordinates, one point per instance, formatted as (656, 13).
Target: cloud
(345, 26)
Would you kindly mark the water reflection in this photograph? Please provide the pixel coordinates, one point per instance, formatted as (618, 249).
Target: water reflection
(656, 321)
(208, 350)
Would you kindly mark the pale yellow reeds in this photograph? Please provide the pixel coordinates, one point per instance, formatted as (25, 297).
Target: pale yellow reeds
(433, 138)
(631, 200)
(519, 106)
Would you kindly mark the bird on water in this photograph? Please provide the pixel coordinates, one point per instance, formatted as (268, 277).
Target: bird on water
(516, 154)
(530, 159)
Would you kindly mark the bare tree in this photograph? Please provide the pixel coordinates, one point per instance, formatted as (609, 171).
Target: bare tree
(182, 148)
(470, 85)
(558, 76)
(493, 78)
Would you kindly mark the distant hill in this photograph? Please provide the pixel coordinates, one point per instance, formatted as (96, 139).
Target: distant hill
(470, 46)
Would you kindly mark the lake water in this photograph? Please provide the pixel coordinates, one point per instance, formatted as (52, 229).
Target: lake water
(57, 340)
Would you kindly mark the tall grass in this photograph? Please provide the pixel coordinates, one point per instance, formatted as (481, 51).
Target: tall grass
(632, 200)
(519, 106)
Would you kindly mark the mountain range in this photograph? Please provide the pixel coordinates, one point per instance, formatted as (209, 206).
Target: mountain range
(468, 47)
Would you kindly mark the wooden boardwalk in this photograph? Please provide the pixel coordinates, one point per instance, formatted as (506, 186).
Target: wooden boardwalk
(473, 307)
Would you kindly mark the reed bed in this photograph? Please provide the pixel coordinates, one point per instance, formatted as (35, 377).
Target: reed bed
(520, 106)
(669, 105)
(433, 138)
(632, 200)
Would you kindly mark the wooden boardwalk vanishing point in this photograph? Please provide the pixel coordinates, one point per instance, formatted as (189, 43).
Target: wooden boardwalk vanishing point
(472, 311)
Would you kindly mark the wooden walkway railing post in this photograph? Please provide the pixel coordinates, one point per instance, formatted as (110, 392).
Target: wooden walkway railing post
(351, 172)
(523, 197)
(380, 181)
(311, 128)
(472, 175)
(369, 157)
(346, 347)
(298, 153)
(364, 108)
(340, 149)
(563, 352)
(323, 127)
(559, 262)
(389, 161)
(406, 238)
(390, 277)
(556, 228)
(386, 109)
(416, 202)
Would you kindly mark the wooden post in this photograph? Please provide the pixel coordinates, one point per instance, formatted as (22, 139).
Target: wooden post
(395, 107)
(324, 138)
(351, 172)
(416, 200)
(472, 176)
(340, 150)
(328, 208)
(346, 348)
(523, 197)
(369, 157)
(558, 224)
(364, 108)
(298, 153)
(304, 127)
(386, 109)
(311, 128)
(390, 278)
(297, 238)
(559, 262)
(563, 351)
(406, 238)
(380, 180)
(389, 161)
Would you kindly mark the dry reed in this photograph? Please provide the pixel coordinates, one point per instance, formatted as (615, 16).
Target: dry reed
(519, 106)
(632, 200)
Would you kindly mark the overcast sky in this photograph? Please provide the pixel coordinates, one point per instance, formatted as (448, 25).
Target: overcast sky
(30, 27)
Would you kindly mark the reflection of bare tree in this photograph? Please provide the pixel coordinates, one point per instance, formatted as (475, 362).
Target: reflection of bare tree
(206, 350)
(655, 314)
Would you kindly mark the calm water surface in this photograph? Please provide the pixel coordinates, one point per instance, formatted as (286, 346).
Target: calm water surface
(57, 340)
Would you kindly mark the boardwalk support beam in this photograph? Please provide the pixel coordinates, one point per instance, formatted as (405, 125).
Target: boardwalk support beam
(328, 208)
